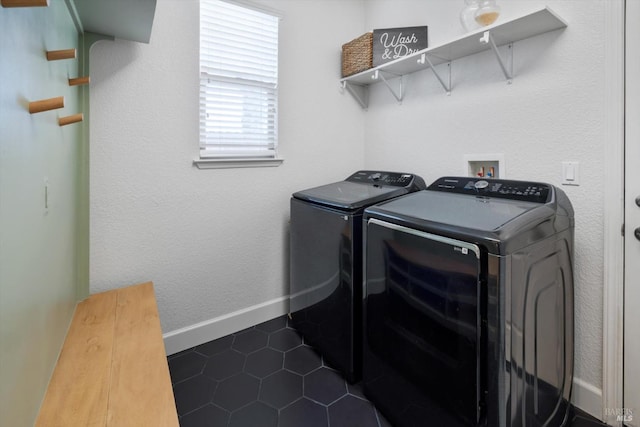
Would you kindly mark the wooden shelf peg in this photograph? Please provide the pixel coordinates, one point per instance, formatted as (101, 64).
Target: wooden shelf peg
(79, 81)
(46, 104)
(24, 3)
(54, 55)
(67, 120)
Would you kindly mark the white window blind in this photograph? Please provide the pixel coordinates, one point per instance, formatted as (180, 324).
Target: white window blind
(238, 81)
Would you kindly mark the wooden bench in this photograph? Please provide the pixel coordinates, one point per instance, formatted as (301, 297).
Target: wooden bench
(112, 370)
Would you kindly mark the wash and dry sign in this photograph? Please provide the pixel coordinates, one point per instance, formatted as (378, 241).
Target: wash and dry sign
(393, 43)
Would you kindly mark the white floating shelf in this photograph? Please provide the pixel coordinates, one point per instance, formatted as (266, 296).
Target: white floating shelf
(499, 34)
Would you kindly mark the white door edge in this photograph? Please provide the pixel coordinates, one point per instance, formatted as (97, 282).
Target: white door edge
(613, 292)
(630, 412)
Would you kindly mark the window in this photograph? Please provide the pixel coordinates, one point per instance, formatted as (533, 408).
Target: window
(238, 82)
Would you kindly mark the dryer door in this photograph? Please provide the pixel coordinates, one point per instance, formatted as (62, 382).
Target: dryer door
(423, 310)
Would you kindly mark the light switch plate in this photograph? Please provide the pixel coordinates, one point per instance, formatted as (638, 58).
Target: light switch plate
(46, 195)
(570, 173)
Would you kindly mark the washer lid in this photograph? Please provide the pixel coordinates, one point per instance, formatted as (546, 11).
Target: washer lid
(500, 225)
(457, 210)
(347, 195)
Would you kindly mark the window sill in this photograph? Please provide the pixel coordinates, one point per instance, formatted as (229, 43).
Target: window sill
(236, 163)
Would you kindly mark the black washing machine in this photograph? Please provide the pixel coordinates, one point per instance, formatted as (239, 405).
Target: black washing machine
(468, 305)
(326, 261)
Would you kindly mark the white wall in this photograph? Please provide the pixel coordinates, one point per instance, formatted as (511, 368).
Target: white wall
(38, 260)
(553, 111)
(213, 241)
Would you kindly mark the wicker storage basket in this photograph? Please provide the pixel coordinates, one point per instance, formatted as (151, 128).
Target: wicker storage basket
(357, 55)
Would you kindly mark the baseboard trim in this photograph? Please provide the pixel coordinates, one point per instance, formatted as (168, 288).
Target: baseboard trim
(587, 397)
(200, 333)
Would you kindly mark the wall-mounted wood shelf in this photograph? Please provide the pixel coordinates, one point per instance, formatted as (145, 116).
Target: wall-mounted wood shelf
(491, 37)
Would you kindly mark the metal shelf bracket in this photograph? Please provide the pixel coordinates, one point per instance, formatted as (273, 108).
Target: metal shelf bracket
(359, 93)
(397, 94)
(447, 86)
(507, 69)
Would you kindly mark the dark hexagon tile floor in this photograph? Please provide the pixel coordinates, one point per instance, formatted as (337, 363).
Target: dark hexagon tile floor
(267, 376)
(264, 376)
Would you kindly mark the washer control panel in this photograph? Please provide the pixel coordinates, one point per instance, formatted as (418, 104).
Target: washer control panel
(394, 179)
(500, 188)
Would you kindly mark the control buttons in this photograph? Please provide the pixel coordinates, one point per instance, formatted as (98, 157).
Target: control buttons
(530, 192)
(381, 179)
(504, 189)
(399, 180)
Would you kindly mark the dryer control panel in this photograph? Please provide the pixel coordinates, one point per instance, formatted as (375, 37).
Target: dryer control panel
(501, 188)
(394, 179)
